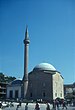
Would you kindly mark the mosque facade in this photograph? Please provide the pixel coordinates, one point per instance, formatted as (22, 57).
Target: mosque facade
(44, 82)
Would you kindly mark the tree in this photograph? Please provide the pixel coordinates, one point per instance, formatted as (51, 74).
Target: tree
(6, 79)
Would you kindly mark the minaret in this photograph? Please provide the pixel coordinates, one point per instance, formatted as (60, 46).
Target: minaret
(26, 46)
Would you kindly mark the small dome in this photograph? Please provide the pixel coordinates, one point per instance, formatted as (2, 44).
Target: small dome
(16, 81)
(44, 66)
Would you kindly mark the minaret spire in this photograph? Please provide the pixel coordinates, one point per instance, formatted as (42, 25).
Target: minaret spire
(26, 46)
(26, 34)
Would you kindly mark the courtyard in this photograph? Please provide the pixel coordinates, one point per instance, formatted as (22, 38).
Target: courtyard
(31, 106)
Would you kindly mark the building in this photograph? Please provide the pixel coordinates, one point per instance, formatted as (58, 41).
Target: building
(43, 82)
(3, 90)
(15, 89)
(69, 91)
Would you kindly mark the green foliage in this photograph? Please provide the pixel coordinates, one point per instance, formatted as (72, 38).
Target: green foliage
(6, 79)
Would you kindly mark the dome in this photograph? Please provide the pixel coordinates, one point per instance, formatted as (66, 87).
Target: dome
(16, 81)
(44, 66)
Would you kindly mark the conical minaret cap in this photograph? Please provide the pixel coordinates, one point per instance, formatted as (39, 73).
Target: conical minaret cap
(26, 40)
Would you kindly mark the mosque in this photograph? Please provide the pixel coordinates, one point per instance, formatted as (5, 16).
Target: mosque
(44, 82)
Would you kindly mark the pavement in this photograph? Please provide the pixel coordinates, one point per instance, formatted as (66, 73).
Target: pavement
(31, 106)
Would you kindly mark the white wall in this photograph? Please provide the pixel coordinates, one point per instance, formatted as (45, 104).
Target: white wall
(58, 86)
(13, 88)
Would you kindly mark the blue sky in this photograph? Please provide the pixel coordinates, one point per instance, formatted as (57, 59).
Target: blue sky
(51, 26)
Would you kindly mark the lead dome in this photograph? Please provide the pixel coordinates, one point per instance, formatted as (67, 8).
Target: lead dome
(44, 66)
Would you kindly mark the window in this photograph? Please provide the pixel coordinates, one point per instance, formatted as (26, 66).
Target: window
(44, 84)
(60, 94)
(44, 94)
(30, 85)
(11, 94)
(55, 94)
(31, 94)
(16, 93)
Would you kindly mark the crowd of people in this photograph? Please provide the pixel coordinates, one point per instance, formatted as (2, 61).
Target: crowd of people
(37, 106)
(55, 105)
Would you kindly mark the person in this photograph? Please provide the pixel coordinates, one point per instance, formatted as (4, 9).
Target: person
(54, 105)
(37, 107)
(48, 107)
(26, 106)
(17, 107)
(20, 103)
(57, 104)
(0, 105)
(64, 104)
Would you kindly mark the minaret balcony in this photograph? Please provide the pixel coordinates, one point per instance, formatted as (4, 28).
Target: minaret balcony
(26, 41)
